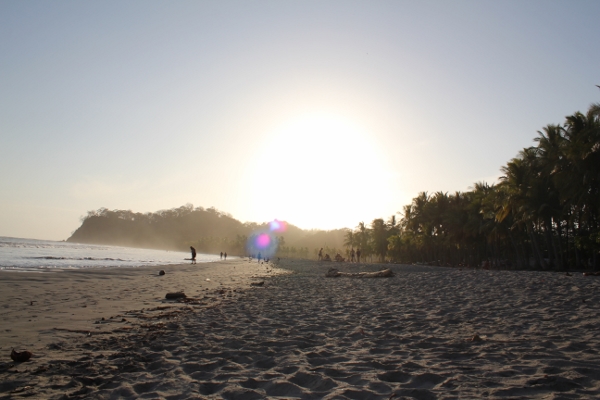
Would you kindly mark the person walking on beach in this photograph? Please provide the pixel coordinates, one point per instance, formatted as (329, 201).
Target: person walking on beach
(357, 255)
(193, 250)
(221, 255)
(352, 255)
(225, 255)
(321, 254)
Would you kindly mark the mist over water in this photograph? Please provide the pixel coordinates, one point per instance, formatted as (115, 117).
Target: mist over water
(40, 255)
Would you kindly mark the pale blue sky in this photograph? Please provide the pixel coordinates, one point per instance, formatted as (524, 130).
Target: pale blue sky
(324, 114)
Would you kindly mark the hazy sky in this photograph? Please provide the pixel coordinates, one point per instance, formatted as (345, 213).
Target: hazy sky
(321, 113)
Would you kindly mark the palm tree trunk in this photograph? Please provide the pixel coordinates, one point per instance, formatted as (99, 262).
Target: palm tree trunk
(561, 255)
(512, 240)
(497, 248)
(536, 248)
(527, 255)
(549, 244)
(567, 239)
(577, 253)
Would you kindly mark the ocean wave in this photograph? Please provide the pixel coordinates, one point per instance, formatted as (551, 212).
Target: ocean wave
(39, 255)
(80, 258)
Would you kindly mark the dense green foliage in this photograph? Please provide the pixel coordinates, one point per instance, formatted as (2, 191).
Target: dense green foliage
(544, 212)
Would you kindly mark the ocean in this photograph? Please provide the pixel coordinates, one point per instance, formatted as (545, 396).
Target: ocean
(31, 255)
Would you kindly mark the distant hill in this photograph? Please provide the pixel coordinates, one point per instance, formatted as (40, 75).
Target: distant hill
(209, 230)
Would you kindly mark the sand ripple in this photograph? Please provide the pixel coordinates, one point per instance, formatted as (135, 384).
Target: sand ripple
(304, 336)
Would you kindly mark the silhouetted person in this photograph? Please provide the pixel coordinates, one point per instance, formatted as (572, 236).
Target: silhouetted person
(321, 254)
(221, 255)
(357, 255)
(352, 255)
(193, 250)
(225, 255)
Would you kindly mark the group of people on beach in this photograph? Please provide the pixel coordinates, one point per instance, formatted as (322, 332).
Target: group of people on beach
(354, 256)
(193, 250)
(259, 257)
(338, 257)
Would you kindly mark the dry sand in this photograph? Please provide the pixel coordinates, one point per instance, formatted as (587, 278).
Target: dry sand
(301, 335)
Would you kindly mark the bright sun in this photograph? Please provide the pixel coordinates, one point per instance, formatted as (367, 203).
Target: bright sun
(319, 171)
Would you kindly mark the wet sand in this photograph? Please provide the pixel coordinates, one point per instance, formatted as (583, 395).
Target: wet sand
(426, 333)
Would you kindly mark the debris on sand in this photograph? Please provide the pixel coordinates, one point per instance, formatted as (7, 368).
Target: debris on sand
(591, 274)
(175, 296)
(334, 273)
(20, 356)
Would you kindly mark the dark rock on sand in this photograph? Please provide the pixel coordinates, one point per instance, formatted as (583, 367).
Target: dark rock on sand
(175, 295)
(20, 356)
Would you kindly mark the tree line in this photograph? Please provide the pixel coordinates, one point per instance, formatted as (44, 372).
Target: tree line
(543, 213)
(208, 230)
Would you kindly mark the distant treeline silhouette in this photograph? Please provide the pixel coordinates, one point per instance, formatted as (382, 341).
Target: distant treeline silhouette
(544, 213)
(208, 230)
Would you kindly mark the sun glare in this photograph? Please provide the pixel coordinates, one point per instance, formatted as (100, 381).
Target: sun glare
(318, 171)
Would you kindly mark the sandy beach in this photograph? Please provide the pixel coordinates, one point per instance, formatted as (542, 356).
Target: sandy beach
(426, 333)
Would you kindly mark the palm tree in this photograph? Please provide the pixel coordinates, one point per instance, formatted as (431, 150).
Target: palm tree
(547, 205)
(349, 238)
(362, 239)
(581, 188)
(379, 236)
(521, 198)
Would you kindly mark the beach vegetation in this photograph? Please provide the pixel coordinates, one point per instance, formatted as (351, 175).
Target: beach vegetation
(544, 212)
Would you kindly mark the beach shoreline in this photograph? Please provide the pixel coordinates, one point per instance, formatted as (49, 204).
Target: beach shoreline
(425, 333)
(36, 305)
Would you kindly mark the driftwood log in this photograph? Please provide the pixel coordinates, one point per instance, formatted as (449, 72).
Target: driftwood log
(334, 273)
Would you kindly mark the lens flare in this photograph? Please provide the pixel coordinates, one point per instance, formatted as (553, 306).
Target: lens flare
(263, 241)
(277, 226)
